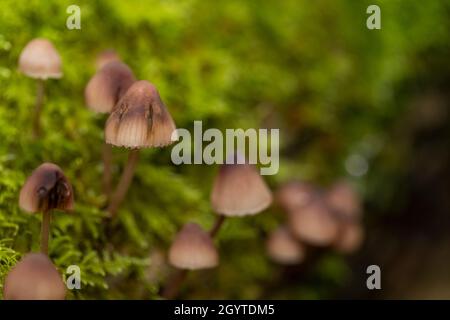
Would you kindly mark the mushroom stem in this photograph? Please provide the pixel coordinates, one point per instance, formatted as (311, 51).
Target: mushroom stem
(45, 231)
(124, 183)
(174, 284)
(107, 163)
(38, 108)
(217, 225)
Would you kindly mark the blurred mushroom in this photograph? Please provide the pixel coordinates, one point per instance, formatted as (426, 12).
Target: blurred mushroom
(342, 198)
(40, 60)
(46, 189)
(106, 57)
(139, 120)
(34, 278)
(314, 224)
(107, 86)
(294, 195)
(351, 237)
(193, 249)
(238, 190)
(102, 93)
(283, 248)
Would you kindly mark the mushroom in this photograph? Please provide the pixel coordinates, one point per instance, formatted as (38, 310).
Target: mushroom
(314, 224)
(106, 57)
(294, 195)
(40, 60)
(46, 189)
(34, 278)
(193, 249)
(238, 190)
(343, 198)
(139, 120)
(283, 248)
(351, 237)
(102, 93)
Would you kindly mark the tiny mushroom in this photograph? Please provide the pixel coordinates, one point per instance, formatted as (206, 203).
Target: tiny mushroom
(107, 86)
(34, 278)
(283, 248)
(40, 60)
(314, 224)
(139, 120)
(46, 189)
(294, 195)
(106, 57)
(343, 198)
(193, 249)
(351, 237)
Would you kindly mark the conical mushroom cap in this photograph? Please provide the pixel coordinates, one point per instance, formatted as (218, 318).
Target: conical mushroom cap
(295, 195)
(106, 57)
(193, 249)
(314, 224)
(34, 278)
(351, 237)
(46, 188)
(239, 190)
(140, 119)
(343, 198)
(107, 86)
(39, 59)
(283, 248)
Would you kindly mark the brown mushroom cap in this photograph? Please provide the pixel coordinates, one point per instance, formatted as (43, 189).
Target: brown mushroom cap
(193, 249)
(239, 190)
(46, 188)
(314, 224)
(283, 248)
(39, 59)
(350, 238)
(106, 57)
(295, 195)
(34, 278)
(343, 198)
(107, 86)
(140, 119)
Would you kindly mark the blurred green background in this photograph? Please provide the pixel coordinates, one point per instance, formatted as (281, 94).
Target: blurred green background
(337, 91)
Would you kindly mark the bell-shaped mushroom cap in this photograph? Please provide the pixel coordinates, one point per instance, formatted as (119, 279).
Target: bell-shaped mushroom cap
(34, 278)
(39, 59)
(314, 224)
(140, 119)
(295, 195)
(107, 86)
(46, 188)
(193, 249)
(283, 248)
(343, 198)
(239, 190)
(106, 57)
(351, 237)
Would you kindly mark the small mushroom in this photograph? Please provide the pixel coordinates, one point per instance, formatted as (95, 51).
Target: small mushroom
(34, 278)
(106, 57)
(283, 248)
(193, 249)
(295, 195)
(343, 198)
(107, 86)
(314, 224)
(351, 237)
(139, 120)
(46, 189)
(40, 60)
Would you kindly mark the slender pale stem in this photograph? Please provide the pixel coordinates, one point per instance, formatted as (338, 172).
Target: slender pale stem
(38, 107)
(176, 280)
(124, 183)
(45, 231)
(107, 164)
